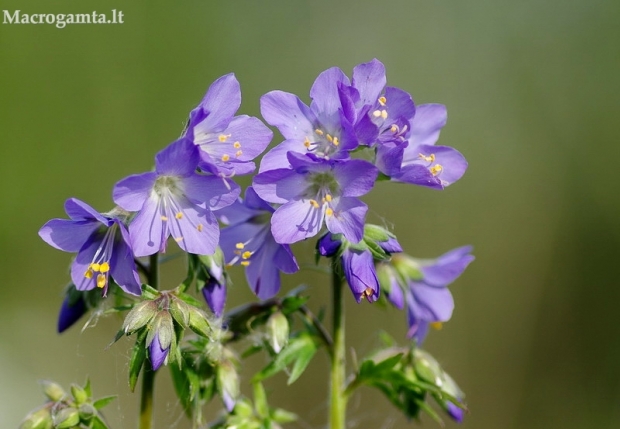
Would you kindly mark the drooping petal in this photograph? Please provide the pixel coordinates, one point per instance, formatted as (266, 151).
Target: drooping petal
(262, 275)
(285, 260)
(81, 264)
(428, 121)
(369, 79)
(348, 218)
(157, 354)
(123, 268)
(214, 294)
(390, 157)
(395, 293)
(289, 114)
(327, 246)
(391, 245)
(130, 192)
(399, 104)
(453, 165)
(296, 220)
(70, 313)
(418, 174)
(68, 235)
(359, 270)
(429, 303)
(179, 158)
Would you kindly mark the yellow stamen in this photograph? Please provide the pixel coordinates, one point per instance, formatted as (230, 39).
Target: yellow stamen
(436, 169)
(95, 267)
(178, 239)
(225, 157)
(236, 145)
(336, 142)
(436, 325)
(307, 142)
(314, 204)
(246, 254)
(376, 113)
(238, 153)
(328, 198)
(179, 215)
(382, 100)
(199, 227)
(330, 138)
(384, 114)
(239, 246)
(319, 132)
(430, 158)
(223, 137)
(104, 268)
(88, 274)
(367, 293)
(394, 128)
(244, 263)
(329, 211)
(164, 218)
(101, 281)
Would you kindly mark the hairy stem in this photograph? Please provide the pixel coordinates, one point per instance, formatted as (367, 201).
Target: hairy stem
(338, 401)
(148, 375)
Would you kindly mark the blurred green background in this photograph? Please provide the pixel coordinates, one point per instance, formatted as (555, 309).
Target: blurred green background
(532, 89)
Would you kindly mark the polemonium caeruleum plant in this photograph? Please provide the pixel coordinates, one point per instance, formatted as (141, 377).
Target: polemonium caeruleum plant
(354, 133)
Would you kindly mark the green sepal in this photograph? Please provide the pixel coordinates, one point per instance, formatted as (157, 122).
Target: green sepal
(102, 402)
(149, 293)
(66, 418)
(138, 356)
(300, 349)
(375, 233)
(98, 423)
(79, 394)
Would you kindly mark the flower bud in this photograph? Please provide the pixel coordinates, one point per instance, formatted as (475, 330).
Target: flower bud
(70, 312)
(179, 311)
(214, 292)
(38, 419)
(139, 316)
(66, 418)
(228, 381)
(87, 411)
(277, 329)
(198, 322)
(53, 391)
(79, 394)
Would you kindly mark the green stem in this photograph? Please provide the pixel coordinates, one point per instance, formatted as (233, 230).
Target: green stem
(338, 401)
(148, 375)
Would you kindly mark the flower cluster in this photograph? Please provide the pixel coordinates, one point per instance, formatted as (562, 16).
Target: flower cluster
(354, 132)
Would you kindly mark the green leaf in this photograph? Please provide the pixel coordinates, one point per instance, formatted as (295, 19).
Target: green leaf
(102, 402)
(296, 348)
(282, 416)
(304, 357)
(98, 423)
(260, 400)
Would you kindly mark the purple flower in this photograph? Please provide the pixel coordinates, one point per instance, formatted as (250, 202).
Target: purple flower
(248, 240)
(383, 114)
(214, 292)
(323, 129)
(315, 190)
(228, 144)
(456, 413)
(70, 312)
(157, 353)
(101, 242)
(427, 297)
(358, 262)
(423, 163)
(175, 200)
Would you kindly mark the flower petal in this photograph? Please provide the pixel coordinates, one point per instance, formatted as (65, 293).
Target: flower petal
(348, 218)
(218, 106)
(428, 121)
(68, 235)
(369, 79)
(179, 158)
(79, 210)
(296, 220)
(429, 303)
(70, 313)
(194, 228)
(288, 113)
(324, 94)
(123, 268)
(359, 270)
(279, 186)
(355, 177)
(82, 262)
(157, 354)
(214, 192)
(214, 294)
(131, 192)
(147, 231)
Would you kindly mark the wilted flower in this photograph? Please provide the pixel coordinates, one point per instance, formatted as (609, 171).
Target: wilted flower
(101, 242)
